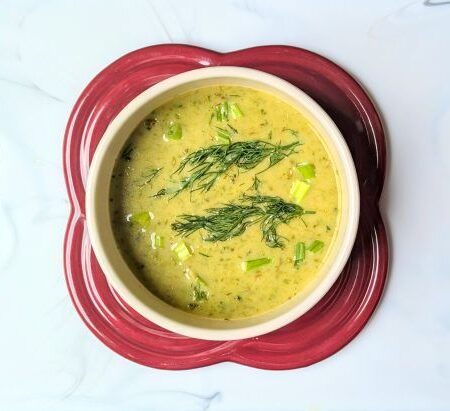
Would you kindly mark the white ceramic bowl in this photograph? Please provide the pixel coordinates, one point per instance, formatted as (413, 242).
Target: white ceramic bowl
(122, 278)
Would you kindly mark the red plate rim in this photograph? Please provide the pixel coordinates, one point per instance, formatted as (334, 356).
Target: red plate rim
(272, 351)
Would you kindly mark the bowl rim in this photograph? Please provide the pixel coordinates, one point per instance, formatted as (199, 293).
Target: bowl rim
(332, 134)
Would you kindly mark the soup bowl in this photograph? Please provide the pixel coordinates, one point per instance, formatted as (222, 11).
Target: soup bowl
(122, 278)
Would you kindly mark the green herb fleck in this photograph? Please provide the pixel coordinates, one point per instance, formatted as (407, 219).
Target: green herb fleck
(161, 193)
(126, 152)
(256, 183)
(232, 128)
(200, 290)
(149, 123)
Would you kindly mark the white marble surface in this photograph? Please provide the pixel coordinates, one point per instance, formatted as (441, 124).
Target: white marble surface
(400, 50)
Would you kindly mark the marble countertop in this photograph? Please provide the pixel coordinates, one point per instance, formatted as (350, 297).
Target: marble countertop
(49, 50)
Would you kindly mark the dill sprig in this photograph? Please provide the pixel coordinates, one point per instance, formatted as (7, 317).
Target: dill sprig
(147, 176)
(207, 164)
(292, 131)
(232, 219)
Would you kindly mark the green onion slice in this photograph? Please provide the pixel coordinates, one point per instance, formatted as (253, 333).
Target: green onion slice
(225, 110)
(316, 246)
(174, 132)
(307, 170)
(299, 253)
(182, 250)
(253, 264)
(298, 190)
(223, 136)
(235, 111)
(143, 218)
(156, 241)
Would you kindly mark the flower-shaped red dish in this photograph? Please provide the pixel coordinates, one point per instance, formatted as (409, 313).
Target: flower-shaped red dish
(323, 330)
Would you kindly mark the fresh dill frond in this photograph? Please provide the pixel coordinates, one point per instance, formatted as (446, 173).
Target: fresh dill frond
(233, 219)
(147, 176)
(160, 193)
(292, 131)
(207, 164)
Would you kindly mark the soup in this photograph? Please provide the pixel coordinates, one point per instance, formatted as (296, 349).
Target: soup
(224, 202)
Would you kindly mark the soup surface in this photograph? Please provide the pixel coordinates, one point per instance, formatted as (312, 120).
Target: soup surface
(224, 202)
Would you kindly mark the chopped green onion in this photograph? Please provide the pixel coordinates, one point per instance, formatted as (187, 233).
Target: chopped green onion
(299, 190)
(235, 111)
(223, 136)
(182, 251)
(253, 264)
(307, 170)
(156, 241)
(174, 132)
(299, 254)
(223, 111)
(143, 218)
(217, 113)
(204, 255)
(316, 246)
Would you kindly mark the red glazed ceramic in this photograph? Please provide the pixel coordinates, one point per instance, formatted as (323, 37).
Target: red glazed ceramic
(323, 330)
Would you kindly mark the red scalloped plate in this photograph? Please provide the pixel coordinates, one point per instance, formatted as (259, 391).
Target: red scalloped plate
(319, 333)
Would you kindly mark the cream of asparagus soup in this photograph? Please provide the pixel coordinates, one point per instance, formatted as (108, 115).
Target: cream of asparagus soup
(224, 202)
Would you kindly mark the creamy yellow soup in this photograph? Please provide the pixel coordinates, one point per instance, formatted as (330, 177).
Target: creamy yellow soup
(224, 202)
